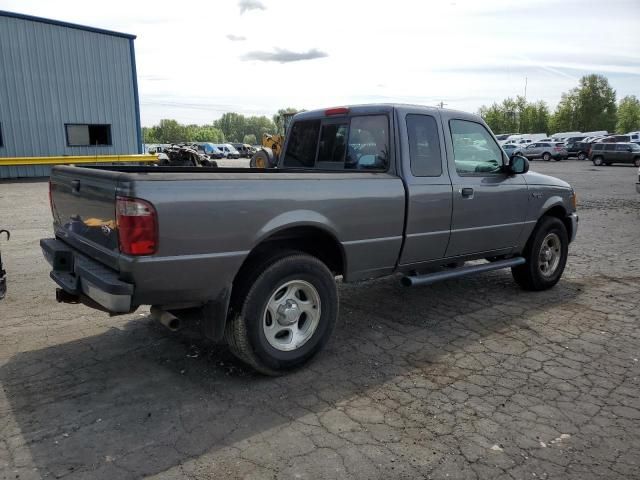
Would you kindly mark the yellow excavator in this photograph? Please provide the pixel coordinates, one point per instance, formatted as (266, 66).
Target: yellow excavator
(267, 156)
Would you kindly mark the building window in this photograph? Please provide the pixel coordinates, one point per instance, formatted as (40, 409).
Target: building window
(83, 135)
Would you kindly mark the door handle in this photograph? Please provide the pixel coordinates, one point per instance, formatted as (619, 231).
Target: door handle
(467, 192)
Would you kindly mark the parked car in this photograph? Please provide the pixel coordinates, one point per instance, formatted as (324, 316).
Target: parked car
(635, 137)
(343, 200)
(608, 153)
(574, 147)
(511, 149)
(615, 139)
(210, 149)
(562, 136)
(545, 150)
(243, 149)
(228, 151)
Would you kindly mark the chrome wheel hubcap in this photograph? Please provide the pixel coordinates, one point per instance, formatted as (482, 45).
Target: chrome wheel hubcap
(292, 315)
(550, 253)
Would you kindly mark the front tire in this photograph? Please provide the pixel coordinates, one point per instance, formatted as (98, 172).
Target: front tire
(286, 315)
(546, 254)
(636, 161)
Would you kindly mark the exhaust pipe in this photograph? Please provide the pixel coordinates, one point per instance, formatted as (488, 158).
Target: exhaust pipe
(165, 318)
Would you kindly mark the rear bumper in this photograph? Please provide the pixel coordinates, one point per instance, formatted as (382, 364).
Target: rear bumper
(79, 275)
(574, 226)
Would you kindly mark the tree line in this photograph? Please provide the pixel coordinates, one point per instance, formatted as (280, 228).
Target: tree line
(231, 127)
(590, 106)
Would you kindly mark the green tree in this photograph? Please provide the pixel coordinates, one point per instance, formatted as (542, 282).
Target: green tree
(564, 118)
(596, 104)
(628, 114)
(208, 133)
(278, 119)
(232, 125)
(250, 139)
(169, 131)
(590, 106)
(516, 116)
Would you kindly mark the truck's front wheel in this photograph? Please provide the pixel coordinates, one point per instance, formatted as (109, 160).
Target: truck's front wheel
(285, 312)
(546, 254)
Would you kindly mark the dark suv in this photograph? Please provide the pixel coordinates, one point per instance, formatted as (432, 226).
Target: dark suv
(575, 147)
(608, 153)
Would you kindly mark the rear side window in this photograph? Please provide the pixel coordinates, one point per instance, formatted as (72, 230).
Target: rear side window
(598, 146)
(622, 147)
(301, 149)
(424, 146)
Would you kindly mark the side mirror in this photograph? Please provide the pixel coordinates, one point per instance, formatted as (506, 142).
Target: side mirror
(518, 164)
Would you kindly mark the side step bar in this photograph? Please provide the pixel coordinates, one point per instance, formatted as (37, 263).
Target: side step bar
(429, 278)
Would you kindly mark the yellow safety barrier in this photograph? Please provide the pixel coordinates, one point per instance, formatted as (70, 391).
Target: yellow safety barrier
(25, 161)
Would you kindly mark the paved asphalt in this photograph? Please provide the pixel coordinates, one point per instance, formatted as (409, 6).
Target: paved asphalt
(471, 378)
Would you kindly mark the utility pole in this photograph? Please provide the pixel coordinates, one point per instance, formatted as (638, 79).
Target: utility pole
(441, 104)
(525, 88)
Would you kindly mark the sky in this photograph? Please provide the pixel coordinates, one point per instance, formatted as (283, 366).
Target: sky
(197, 60)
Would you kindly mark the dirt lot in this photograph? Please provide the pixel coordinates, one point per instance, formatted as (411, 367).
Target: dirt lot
(471, 378)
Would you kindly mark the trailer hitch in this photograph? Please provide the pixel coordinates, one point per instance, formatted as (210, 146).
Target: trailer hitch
(3, 273)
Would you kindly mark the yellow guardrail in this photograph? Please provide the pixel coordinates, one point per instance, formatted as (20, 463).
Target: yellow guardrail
(25, 161)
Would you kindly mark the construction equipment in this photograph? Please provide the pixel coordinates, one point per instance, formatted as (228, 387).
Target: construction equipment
(272, 145)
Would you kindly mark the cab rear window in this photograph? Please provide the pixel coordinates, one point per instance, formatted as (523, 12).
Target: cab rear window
(356, 143)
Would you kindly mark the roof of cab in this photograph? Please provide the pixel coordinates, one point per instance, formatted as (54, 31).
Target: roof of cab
(372, 108)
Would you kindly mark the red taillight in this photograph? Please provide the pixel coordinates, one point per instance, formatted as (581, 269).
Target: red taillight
(137, 226)
(557, 149)
(336, 111)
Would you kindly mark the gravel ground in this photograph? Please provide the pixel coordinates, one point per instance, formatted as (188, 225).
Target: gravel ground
(471, 378)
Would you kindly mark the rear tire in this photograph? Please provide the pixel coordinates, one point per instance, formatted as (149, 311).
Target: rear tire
(284, 310)
(636, 161)
(546, 254)
(597, 161)
(546, 156)
(582, 156)
(260, 160)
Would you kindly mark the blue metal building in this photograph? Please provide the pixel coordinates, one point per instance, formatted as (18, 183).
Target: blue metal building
(65, 89)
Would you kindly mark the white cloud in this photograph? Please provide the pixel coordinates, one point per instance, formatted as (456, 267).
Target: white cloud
(283, 55)
(463, 52)
(246, 5)
(236, 38)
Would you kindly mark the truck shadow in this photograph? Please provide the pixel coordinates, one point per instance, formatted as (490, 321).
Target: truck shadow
(139, 400)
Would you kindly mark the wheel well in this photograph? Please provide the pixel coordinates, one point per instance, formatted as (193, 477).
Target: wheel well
(561, 214)
(312, 240)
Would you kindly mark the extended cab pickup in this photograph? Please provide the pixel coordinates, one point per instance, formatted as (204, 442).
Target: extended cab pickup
(359, 192)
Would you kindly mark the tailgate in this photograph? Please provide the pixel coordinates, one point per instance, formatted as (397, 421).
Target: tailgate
(83, 203)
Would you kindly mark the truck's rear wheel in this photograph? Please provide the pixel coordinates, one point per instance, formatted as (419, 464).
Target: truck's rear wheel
(546, 253)
(284, 313)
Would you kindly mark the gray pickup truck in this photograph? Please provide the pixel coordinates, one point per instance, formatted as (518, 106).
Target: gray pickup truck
(252, 255)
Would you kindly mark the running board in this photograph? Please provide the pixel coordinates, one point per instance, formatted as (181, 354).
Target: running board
(429, 278)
